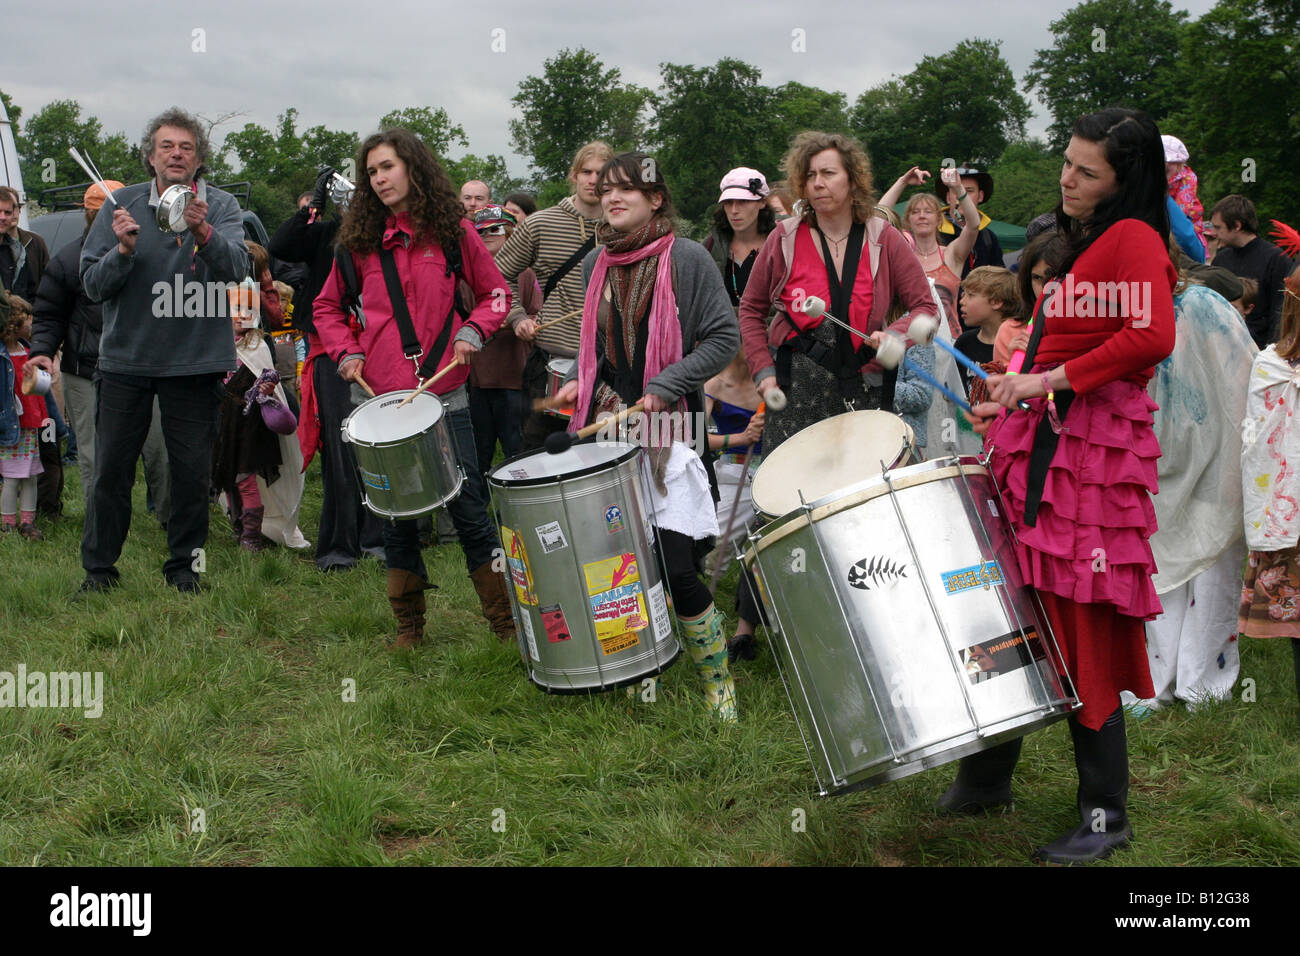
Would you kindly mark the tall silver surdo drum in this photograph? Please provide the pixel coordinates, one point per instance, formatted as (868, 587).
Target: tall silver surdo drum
(906, 636)
(590, 602)
(828, 455)
(405, 457)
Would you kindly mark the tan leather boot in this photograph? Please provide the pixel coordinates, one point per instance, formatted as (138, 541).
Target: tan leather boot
(406, 595)
(492, 597)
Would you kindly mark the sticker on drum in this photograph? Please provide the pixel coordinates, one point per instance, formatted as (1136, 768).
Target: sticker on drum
(613, 519)
(984, 576)
(619, 642)
(659, 613)
(517, 561)
(1002, 655)
(617, 602)
(528, 633)
(551, 537)
(557, 628)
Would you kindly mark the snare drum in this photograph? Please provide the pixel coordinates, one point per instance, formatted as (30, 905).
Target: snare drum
(590, 602)
(557, 370)
(405, 456)
(829, 455)
(906, 638)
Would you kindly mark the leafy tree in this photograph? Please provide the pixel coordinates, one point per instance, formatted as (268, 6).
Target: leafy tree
(12, 109)
(1106, 53)
(962, 106)
(1027, 182)
(709, 120)
(574, 101)
(1239, 117)
(433, 126)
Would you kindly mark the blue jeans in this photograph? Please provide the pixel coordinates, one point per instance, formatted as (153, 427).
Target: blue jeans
(123, 413)
(469, 511)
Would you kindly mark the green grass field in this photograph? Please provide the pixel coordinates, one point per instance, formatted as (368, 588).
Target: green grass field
(231, 703)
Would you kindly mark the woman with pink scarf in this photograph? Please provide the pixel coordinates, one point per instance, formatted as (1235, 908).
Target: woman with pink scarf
(657, 324)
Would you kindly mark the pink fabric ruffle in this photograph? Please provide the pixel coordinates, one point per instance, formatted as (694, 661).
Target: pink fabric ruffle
(1090, 542)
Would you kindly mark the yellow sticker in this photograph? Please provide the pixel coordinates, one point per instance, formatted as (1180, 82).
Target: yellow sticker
(619, 642)
(617, 601)
(521, 576)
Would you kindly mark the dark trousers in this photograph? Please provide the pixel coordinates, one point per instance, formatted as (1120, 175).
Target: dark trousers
(347, 527)
(681, 555)
(468, 510)
(498, 416)
(123, 412)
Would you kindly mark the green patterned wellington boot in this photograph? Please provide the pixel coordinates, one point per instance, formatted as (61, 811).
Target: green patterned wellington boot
(706, 642)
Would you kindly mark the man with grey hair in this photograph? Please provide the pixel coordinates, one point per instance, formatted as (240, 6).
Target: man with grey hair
(167, 333)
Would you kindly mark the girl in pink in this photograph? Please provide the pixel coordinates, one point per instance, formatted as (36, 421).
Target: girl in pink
(20, 460)
(1182, 183)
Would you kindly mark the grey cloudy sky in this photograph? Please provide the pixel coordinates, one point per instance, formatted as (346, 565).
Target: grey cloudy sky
(345, 65)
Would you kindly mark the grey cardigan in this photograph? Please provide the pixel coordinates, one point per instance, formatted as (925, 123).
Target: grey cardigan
(710, 333)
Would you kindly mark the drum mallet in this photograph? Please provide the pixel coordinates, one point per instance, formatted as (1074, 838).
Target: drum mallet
(777, 396)
(889, 353)
(428, 382)
(923, 331)
(559, 442)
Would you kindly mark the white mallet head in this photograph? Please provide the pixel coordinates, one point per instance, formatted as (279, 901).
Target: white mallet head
(813, 307)
(891, 351)
(775, 399)
(922, 329)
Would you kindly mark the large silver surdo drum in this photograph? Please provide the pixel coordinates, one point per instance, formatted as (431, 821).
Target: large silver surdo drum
(906, 637)
(590, 603)
(405, 457)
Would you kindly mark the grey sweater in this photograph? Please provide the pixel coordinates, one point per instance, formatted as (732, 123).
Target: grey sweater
(710, 333)
(165, 307)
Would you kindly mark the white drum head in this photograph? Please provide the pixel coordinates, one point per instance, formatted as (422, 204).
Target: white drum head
(379, 421)
(577, 459)
(829, 455)
(560, 366)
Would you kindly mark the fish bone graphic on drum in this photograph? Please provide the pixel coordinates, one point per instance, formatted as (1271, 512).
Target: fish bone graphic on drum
(876, 570)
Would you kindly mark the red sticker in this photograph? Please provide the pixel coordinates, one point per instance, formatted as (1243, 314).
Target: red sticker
(557, 629)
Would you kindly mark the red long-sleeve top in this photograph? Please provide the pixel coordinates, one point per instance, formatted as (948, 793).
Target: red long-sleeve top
(1112, 316)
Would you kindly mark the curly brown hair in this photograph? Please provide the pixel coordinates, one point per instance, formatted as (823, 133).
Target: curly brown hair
(856, 163)
(434, 207)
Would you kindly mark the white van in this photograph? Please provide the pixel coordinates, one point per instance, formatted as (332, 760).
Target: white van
(10, 174)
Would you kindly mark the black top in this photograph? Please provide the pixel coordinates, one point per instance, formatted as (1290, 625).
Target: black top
(969, 345)
(1262, 261)
(736, 277)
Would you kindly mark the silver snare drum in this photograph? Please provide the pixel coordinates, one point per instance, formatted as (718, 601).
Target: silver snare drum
(405, 457)
(906, 637)
(557, 370)
(590, 602)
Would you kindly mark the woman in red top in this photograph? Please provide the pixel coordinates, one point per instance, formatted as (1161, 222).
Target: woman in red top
(405, 204)
(1079, 467)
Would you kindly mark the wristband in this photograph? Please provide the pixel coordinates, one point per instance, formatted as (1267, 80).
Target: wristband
(962, 196)
(1052, 417)
(726, 442)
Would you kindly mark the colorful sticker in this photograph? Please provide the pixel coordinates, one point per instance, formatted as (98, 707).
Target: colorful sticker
(374, 480)
(613, 519)
(528, 634)
(518, 473)
(619, 642)
(984, 576)
(551, 537)
(1001, 655)
(617, 601)
(521, 576)
(876, 570)
(659, 613)
(557, 628)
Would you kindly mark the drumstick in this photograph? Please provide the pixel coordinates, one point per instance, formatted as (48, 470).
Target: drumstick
(735, 504)
(364, 384)
(892, 351)
(922, 331)
(555, 321)
(93, 174)
(560, 442)
(427, 382)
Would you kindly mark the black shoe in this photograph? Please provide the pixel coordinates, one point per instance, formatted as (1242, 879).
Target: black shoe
(1101, 757)
(1082, 845)
(742, 647)
(983, 781)
(95, 585)
(186, 584)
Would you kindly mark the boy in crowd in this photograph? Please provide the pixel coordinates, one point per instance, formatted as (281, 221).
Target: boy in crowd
(989, 296)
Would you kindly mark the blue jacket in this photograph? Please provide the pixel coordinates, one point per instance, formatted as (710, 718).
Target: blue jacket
(10, 407)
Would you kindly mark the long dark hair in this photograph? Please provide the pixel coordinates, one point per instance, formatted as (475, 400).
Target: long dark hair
(435, 208)
(766, 221)
(1134, 150)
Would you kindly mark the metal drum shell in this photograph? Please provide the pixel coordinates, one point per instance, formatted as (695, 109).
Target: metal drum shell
(883, 665)
(564, 524)
(174, 199)
(404, 477)
(557, 369)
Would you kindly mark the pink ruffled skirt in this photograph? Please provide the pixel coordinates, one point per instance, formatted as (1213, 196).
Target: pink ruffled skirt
(1090, 542)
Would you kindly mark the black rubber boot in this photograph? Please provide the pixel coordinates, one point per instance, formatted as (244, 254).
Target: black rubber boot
(1101, 757)
(983, 780)
(1295, 653)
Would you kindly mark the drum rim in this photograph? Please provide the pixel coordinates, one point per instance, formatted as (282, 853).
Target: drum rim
(936, 469)
(630, 452)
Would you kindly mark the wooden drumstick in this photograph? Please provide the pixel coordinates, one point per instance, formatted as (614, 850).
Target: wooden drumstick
(735, 502)
(557, 320)
(427, 382)
(364, 384)
(560, 442)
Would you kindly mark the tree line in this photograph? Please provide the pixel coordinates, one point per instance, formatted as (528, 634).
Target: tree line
(1226, 84)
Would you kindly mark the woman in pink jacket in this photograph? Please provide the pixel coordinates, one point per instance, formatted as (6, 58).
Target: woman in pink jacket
(405, 205)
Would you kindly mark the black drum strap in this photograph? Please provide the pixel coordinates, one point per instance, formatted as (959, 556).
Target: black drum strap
(406, 328)
(1045, 438)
